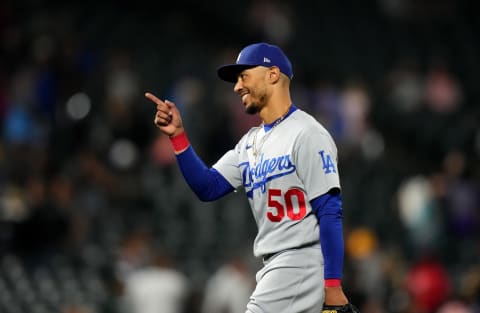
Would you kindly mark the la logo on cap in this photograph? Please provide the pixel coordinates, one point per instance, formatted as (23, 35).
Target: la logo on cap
(239, 55)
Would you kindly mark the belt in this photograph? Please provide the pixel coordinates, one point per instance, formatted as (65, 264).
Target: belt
(267, 256)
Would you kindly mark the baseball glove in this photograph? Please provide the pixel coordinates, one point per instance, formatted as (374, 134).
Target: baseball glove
(347, 308)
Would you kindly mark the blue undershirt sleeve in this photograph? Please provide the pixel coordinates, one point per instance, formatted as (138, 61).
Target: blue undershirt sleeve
(207, 183)
(328, 209)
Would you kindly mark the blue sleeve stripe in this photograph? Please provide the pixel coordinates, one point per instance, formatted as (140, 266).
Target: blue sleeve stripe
(328, 209)
(207, 183)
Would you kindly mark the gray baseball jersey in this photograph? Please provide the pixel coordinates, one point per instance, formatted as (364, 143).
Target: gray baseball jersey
(281, 170)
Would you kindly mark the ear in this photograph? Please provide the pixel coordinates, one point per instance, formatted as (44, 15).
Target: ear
(274, 74)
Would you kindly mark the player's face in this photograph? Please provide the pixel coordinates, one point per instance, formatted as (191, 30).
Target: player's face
(253, 89)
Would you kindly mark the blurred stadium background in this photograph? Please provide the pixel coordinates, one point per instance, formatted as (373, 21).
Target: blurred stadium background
(90, 193)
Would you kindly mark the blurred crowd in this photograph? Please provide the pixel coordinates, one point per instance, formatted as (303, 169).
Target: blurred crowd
(95, 216)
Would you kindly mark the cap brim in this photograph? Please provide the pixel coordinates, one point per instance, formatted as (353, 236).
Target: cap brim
(230, 72)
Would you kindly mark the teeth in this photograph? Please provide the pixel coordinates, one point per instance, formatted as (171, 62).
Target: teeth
(244, 97)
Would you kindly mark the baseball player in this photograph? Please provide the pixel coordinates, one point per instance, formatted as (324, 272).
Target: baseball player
(288, 169)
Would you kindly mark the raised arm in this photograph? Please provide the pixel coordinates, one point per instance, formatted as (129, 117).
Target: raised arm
(207, 183)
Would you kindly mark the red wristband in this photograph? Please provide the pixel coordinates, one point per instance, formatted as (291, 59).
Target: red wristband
(333, 282)
(180, 142)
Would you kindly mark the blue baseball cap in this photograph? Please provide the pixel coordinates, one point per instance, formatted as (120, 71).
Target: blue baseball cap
(257, 54)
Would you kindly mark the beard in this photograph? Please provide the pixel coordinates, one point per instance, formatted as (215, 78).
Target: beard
(252, 109)
(256, 105)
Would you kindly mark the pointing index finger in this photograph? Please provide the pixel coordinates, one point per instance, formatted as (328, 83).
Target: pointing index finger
(153, 98)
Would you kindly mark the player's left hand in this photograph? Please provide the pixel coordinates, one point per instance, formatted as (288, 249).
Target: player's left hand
(337, 302)
(347, 308)
(335, 296)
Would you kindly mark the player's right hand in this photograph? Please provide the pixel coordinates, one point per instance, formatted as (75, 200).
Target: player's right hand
(167, 118)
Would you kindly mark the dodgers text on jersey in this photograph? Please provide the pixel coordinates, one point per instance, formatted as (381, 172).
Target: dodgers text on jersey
(266, 170)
